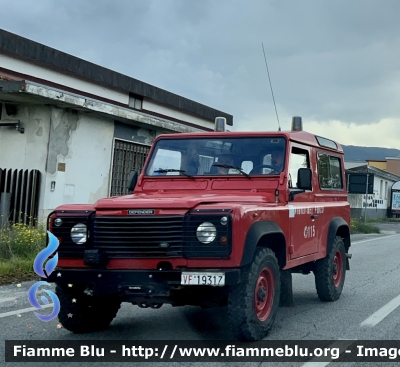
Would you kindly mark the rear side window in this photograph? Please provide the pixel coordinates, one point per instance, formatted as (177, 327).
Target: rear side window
(329, 172)
(298, 159)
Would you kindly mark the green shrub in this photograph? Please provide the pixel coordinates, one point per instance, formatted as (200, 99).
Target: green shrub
(16, 270)
(358, 226)
(19, 245)
(22, 241)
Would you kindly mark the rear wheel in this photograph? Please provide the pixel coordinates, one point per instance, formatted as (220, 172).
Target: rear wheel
(81, 313)
(253, 303)
(330, 272)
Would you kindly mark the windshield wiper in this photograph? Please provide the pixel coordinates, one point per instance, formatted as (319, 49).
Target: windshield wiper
(165, 170)
(233, 167)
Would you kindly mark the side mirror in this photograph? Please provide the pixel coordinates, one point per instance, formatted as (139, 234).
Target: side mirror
(304, 179)
(132, 180)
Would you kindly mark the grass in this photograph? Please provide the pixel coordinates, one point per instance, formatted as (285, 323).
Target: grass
(358, 226)
(19, 245)
(16, 270)
(384, 220)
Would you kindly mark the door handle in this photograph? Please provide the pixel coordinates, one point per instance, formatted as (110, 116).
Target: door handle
(314, 217)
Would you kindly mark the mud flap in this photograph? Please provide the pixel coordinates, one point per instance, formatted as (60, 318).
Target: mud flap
(348, 257)
(286, 299)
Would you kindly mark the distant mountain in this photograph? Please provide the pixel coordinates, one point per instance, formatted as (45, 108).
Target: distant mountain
(354, 153)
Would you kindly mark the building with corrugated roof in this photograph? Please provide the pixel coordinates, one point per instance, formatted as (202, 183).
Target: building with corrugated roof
(71, 131)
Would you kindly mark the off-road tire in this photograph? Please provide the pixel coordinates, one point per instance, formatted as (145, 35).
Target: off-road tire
(89, 313)
(253, 303)
(330, 272)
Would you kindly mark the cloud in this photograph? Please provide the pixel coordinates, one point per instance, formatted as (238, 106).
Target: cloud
(330, 62)
(387, 130)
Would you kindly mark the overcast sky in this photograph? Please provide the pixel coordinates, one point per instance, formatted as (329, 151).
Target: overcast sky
(335, 63)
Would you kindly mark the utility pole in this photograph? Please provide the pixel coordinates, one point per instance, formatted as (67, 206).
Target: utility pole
(366, 197)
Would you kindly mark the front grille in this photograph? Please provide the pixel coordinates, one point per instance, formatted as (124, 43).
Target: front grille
(139, 236)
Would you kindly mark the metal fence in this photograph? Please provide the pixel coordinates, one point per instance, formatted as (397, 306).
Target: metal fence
(19, 196)
(127, 156)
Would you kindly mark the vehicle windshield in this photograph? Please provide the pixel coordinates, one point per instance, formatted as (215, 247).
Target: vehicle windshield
(217, 156)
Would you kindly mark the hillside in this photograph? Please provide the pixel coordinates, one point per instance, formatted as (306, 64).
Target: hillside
(354, 153)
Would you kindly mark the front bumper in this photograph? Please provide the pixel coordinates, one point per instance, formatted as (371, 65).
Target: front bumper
(140, 283)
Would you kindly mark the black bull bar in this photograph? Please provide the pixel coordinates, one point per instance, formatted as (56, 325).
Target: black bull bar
(135, 282)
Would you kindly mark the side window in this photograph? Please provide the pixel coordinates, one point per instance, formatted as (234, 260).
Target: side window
(299, 158)
(329, 172)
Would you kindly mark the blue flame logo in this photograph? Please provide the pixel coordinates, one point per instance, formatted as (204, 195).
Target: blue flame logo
(49, 268)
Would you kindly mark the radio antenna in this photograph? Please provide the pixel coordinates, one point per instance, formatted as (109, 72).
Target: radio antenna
(273, 98)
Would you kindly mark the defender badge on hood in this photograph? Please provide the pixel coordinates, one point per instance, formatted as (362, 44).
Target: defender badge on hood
(140, 211)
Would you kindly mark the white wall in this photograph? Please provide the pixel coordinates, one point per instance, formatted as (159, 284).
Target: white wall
(377, 202)
(54, 135)
(157, 108)
(87, 156)
(27, 68)
(28, 150)
(382, 196)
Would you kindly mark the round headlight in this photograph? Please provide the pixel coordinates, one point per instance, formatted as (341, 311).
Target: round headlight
(57, 222)
(206, 232)
(79, 233)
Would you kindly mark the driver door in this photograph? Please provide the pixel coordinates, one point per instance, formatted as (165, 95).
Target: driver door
(303, 210)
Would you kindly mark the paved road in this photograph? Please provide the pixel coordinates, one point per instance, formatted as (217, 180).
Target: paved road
(388, 227)
(370, 285)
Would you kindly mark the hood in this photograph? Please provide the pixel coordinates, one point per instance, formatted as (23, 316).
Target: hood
(145, 201)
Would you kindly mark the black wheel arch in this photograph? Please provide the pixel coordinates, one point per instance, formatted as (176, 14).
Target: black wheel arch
(338, 227)
(268, 234)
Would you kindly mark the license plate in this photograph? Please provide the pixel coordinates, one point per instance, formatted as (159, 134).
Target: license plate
(213, 279)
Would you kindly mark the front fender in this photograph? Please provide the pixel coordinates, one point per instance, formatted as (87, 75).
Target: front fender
(255, 233)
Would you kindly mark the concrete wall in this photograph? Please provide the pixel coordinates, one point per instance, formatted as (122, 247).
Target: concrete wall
(37, 71)
(393, 165)
(377, 203)
(372, 213)
(134, 133)
(81, 145)
(28, 150)
(27, 68)
(157, 108)
(71, 148)
(378, 164)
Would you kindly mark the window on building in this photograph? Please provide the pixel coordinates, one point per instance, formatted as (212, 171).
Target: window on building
(386, 190)
(329, 172)
(381, 190)
(135, 101)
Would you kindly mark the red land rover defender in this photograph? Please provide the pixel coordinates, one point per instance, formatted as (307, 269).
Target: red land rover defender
(215, 219)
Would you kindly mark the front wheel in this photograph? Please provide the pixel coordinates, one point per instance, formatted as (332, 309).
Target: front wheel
(330, 272)
(81, 313)
(253, 303)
